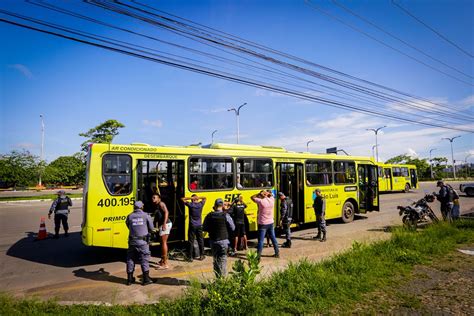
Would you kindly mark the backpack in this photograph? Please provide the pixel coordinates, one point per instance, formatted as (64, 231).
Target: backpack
(453, 193)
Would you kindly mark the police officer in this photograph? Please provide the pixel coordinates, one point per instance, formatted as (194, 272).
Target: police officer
(446, 197)
(217, 224)
(286, 214)
(140, 225)
(319, 206)
(60, 207)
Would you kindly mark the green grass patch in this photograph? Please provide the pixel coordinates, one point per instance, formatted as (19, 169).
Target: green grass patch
(37, 197)
(305, 287)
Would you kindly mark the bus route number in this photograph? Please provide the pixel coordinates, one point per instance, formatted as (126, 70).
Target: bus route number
(116, 202)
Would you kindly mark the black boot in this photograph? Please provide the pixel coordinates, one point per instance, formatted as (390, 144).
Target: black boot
(324, 237)
(130, 278)
(289, 243)
(146, 278)
(318, 236)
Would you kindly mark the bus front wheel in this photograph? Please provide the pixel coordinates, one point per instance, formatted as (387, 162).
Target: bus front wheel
(348, 212)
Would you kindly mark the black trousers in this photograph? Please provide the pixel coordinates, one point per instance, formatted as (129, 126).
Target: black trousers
(58, 219)
(195, 232)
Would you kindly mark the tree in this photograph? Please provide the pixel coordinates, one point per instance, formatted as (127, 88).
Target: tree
(19, 168)
(102, 133)
(66, 170)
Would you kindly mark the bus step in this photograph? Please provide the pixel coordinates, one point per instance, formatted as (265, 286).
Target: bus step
(154, 243)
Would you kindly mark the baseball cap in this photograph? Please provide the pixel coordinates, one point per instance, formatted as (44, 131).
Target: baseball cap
(317, 190)
(138, 204)
(281, 194)
(218, 202)
(439, 183)
(62, 192)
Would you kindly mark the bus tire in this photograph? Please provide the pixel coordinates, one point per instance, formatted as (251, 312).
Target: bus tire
(348, 212)
(407, 188)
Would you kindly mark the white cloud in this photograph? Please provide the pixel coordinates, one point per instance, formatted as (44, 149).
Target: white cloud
(468, 101)
(23, 70)
(155, 123)
(25, 145)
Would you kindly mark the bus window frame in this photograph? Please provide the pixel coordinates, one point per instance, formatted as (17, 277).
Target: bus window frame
(254, 188)
(331, 172)
(130, 174)
(356, 164)
(210, 157)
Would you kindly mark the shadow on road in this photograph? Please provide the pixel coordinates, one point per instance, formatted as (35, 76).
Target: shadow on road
(98, 275)
(63, 252)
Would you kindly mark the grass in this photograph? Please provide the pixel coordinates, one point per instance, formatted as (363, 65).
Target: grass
(37, 197)
(305, 287)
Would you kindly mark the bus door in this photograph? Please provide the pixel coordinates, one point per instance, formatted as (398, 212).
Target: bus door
(165, 177)
(388, 179)
(290, 181)
(414, 178)
(368, 188)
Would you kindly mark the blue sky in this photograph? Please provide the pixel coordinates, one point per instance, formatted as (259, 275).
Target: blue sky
(76, 87)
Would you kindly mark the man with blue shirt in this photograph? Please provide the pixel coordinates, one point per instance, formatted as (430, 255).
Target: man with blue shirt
(195, 224)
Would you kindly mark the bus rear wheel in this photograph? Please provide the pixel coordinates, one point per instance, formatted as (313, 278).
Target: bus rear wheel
(348, 211)
(407, 188)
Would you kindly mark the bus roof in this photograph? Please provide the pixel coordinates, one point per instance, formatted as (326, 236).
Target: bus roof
(219, 149)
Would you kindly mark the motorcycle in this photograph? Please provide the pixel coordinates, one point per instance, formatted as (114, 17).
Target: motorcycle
(418, 212)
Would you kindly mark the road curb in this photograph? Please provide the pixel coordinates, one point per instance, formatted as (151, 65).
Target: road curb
(26, 201)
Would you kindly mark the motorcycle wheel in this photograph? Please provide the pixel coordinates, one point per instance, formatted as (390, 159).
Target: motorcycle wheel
(433, 216)
(411, 222)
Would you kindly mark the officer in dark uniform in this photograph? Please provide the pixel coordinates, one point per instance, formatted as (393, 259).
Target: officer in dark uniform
(446, 197)
(319, 206)
(286, 214)
(140, 225)
(60, 207)
(217, 224)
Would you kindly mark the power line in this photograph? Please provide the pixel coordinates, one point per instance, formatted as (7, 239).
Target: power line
(225, 76)
(316, 8)
(295, 58)
(432, 29)
(398, 38)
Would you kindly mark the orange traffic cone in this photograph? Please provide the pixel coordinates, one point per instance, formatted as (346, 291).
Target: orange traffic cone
(42, 234)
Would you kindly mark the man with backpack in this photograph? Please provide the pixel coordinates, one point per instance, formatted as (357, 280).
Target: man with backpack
(286, 214)
(445, 197)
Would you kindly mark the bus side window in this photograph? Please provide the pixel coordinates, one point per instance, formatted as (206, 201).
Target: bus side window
(116, 173)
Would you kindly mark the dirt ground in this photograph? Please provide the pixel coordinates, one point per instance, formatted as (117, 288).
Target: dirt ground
(444, 287)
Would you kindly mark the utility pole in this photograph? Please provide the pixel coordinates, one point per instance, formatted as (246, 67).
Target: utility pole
(376, 131)
(452, 153)
(237, 114)
(431, 163)
(42, 148)
(212, 136)
(307, 144)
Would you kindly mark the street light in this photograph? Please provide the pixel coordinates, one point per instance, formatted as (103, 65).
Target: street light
(373, 147)
(212, 136)
(431, 163)
(452, 154)
(376, 131)
(42, 148)
(237, 114)
(307, 144)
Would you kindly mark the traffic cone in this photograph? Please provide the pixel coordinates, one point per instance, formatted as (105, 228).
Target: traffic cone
(42, 234)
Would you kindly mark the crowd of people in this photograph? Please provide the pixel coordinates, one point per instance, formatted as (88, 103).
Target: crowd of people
(226, 226)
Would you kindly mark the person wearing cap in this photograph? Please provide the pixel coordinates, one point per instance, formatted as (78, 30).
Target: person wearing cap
(286, 214)
(195, 224)
(445, 198)
(140, 225)
(237, 212)
(164, 224)
(60, 207)
(319, 206)
(265, 202)
(217, 224)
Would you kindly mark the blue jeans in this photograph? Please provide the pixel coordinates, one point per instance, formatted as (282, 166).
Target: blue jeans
(262, 231)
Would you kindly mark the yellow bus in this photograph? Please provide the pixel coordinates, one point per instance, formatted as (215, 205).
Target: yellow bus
(118, 175)
(394, 178)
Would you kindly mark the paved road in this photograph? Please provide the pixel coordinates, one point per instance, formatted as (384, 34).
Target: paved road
(67, 270)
